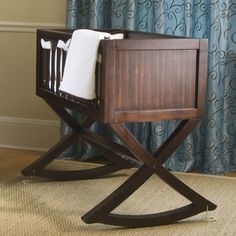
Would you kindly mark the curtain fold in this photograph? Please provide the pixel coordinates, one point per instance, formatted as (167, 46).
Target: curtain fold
(211, 147)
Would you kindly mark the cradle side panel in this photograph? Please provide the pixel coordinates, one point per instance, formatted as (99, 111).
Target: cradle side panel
(158, 79)
(50, 67)
(151, 80)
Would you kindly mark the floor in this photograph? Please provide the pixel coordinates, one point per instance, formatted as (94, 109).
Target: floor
(14, 160)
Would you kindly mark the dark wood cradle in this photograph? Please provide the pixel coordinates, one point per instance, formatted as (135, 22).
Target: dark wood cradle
(144, 77)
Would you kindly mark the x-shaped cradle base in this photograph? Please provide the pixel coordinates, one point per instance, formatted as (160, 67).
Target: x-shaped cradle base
(152, 164)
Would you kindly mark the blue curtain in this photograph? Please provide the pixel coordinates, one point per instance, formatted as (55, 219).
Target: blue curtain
(211, 147)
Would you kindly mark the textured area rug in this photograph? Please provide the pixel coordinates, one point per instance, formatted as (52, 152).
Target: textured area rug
(43, 207)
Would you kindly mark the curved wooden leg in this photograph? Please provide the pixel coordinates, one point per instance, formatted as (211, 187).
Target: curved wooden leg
(37, 168)
(102, 212)
(63, 175)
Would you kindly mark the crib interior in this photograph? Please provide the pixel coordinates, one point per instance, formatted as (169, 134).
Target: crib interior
(51, 63)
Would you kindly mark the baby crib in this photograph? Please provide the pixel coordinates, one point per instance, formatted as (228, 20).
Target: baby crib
(141, 78)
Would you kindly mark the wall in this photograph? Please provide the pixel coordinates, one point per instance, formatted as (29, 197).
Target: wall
(25, 120)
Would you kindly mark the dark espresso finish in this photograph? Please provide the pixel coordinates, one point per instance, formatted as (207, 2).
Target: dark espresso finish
(140, 78)
(144, 77)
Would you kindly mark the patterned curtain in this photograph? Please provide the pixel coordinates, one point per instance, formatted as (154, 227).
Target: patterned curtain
(211, 147)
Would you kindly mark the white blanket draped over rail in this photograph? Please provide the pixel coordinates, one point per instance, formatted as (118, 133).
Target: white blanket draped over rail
(79, 72)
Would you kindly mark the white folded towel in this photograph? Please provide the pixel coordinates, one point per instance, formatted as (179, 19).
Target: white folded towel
(64, 45)
(46, 44)
(79, 71)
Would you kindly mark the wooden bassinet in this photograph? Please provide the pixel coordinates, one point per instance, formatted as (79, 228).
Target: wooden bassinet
(144, 77)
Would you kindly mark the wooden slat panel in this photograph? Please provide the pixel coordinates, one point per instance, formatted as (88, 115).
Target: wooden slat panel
(160, 79)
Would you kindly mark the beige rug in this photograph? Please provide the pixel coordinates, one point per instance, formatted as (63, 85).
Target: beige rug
(43, 207)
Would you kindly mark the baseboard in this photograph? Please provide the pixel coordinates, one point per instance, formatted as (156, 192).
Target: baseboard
(29, 134)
